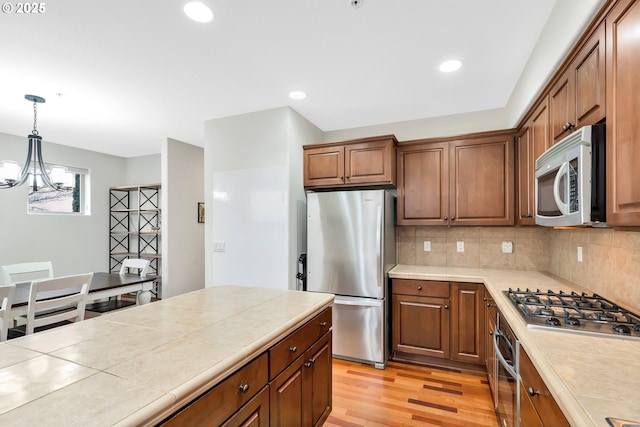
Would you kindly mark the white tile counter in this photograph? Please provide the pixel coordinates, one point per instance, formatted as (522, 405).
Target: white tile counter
(590, 377)
(136, 366)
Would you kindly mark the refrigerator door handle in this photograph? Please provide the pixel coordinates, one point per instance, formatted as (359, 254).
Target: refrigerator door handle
(379, 245)
(362, 302)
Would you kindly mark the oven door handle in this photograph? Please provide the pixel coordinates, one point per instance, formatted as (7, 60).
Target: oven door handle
(509, 368)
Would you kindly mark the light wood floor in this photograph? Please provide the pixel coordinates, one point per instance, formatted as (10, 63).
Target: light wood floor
(408, 395)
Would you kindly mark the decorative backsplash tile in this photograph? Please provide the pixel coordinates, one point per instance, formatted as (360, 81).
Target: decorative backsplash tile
(610, 263)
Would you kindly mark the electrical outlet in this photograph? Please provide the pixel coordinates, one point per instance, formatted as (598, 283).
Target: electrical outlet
(579, 253)
(507, 247)
(460, 246)
(219, 246)
(427, 246)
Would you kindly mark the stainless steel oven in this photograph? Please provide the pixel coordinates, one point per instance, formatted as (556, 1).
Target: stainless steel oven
(507, 390)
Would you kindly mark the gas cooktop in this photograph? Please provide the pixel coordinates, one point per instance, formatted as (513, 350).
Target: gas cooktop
(576, 312)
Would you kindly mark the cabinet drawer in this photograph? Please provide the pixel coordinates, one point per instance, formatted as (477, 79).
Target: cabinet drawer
(426, 288)
(289, 349)
(548, 410)
(216, 405)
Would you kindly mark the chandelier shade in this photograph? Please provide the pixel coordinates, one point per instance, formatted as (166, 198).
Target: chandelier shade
(34, 170)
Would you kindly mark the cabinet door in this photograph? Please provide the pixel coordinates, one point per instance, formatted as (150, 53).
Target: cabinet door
(421, 325)
(324, 166)
(370, 163)
(589, 75)
(482, 181)
(254, 414)
(623, 105)
(532, 142)
(318, 382)
(528, 415)
(286, 398)
(423, 184)
(467, 323)
(562, 105)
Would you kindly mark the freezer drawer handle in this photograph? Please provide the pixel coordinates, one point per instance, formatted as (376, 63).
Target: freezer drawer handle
(293, 349)
(359, 303)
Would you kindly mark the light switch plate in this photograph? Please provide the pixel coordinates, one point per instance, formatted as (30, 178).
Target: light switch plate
(219, 246)
(427, 246)
(460, 246)
(579, 253)
(507, 247)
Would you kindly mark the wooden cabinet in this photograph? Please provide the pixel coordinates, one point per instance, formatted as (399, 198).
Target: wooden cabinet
(467, 181)
(440, 320)
(301, 394)
(623, 105)
(467, 322)
(540, 408)
(360, 162)
(532, 141)
(578, 96)
(216, 405)
(288, 385)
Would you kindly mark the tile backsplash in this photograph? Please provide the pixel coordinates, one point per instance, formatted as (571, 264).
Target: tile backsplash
(610, 263)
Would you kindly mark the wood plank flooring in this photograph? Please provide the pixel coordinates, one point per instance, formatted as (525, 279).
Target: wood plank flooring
(408, 395)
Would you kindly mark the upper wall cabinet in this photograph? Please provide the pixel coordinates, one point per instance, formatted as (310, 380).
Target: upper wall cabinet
(458, 182)
(360, 162)
(578, 97)
(623, 107)
(531, 142)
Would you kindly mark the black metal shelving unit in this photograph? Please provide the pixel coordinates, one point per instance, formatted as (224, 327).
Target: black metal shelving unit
(135, 228)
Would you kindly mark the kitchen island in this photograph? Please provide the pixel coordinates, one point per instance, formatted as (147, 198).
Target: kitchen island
(590, 377)
(139, 366)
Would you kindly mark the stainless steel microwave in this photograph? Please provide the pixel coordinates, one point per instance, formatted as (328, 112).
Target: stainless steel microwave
(570, 185)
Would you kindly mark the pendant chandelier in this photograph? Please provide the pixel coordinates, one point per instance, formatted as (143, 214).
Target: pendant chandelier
(34, 170)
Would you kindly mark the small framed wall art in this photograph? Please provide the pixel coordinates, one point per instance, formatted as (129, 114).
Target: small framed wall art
(201, 212)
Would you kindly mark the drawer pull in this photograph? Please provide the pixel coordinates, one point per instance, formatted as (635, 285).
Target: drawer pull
(244, 388)
(323, 324)
(293, 349)
(532, 392)
(419, 288)
(312, 360)
(307, 364)
(446, 307)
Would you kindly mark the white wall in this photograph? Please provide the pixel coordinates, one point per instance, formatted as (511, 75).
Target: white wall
(73, 243)
(254, 188)
(143, 170)
(182, 235)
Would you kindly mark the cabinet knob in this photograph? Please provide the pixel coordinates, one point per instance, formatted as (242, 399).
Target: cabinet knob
(453, 218)
(312, 361)
(484, 299)
(532, 392)
(244, 388)
(419, 288)
(293, 349)
(323, 324)
(341, 176)
(446, 307)
(307, 364)
(490, 332)
(445, 218)
(347, 177)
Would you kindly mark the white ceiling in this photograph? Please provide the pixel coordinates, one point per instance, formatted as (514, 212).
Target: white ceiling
(132, 72)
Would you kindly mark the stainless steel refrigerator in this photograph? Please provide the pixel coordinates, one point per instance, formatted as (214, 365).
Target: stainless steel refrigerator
(351, 247)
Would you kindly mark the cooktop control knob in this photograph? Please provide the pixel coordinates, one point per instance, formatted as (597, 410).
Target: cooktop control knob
(622, 329)
(553, 321)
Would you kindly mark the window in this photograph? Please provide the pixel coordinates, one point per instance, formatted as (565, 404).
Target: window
(73, 199)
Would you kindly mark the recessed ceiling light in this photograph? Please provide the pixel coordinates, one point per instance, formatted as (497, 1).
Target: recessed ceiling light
(297, 95)
(449, 66)
(197, 11)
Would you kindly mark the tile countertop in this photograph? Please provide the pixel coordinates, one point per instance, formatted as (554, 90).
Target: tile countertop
(590, 377)
(136, 366)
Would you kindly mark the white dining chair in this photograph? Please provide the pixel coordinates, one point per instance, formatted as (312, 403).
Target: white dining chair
(45, 310)
(6, 299)
(26, 271)
(142, 265)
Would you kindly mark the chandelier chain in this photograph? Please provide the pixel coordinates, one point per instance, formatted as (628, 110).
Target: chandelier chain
(35, 118)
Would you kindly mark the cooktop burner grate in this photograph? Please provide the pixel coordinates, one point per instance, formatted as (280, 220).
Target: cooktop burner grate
(572, 311)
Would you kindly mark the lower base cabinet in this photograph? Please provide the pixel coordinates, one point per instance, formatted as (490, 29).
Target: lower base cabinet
(440, 320)
(301, 394)
(287, 386)
(537, 405)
